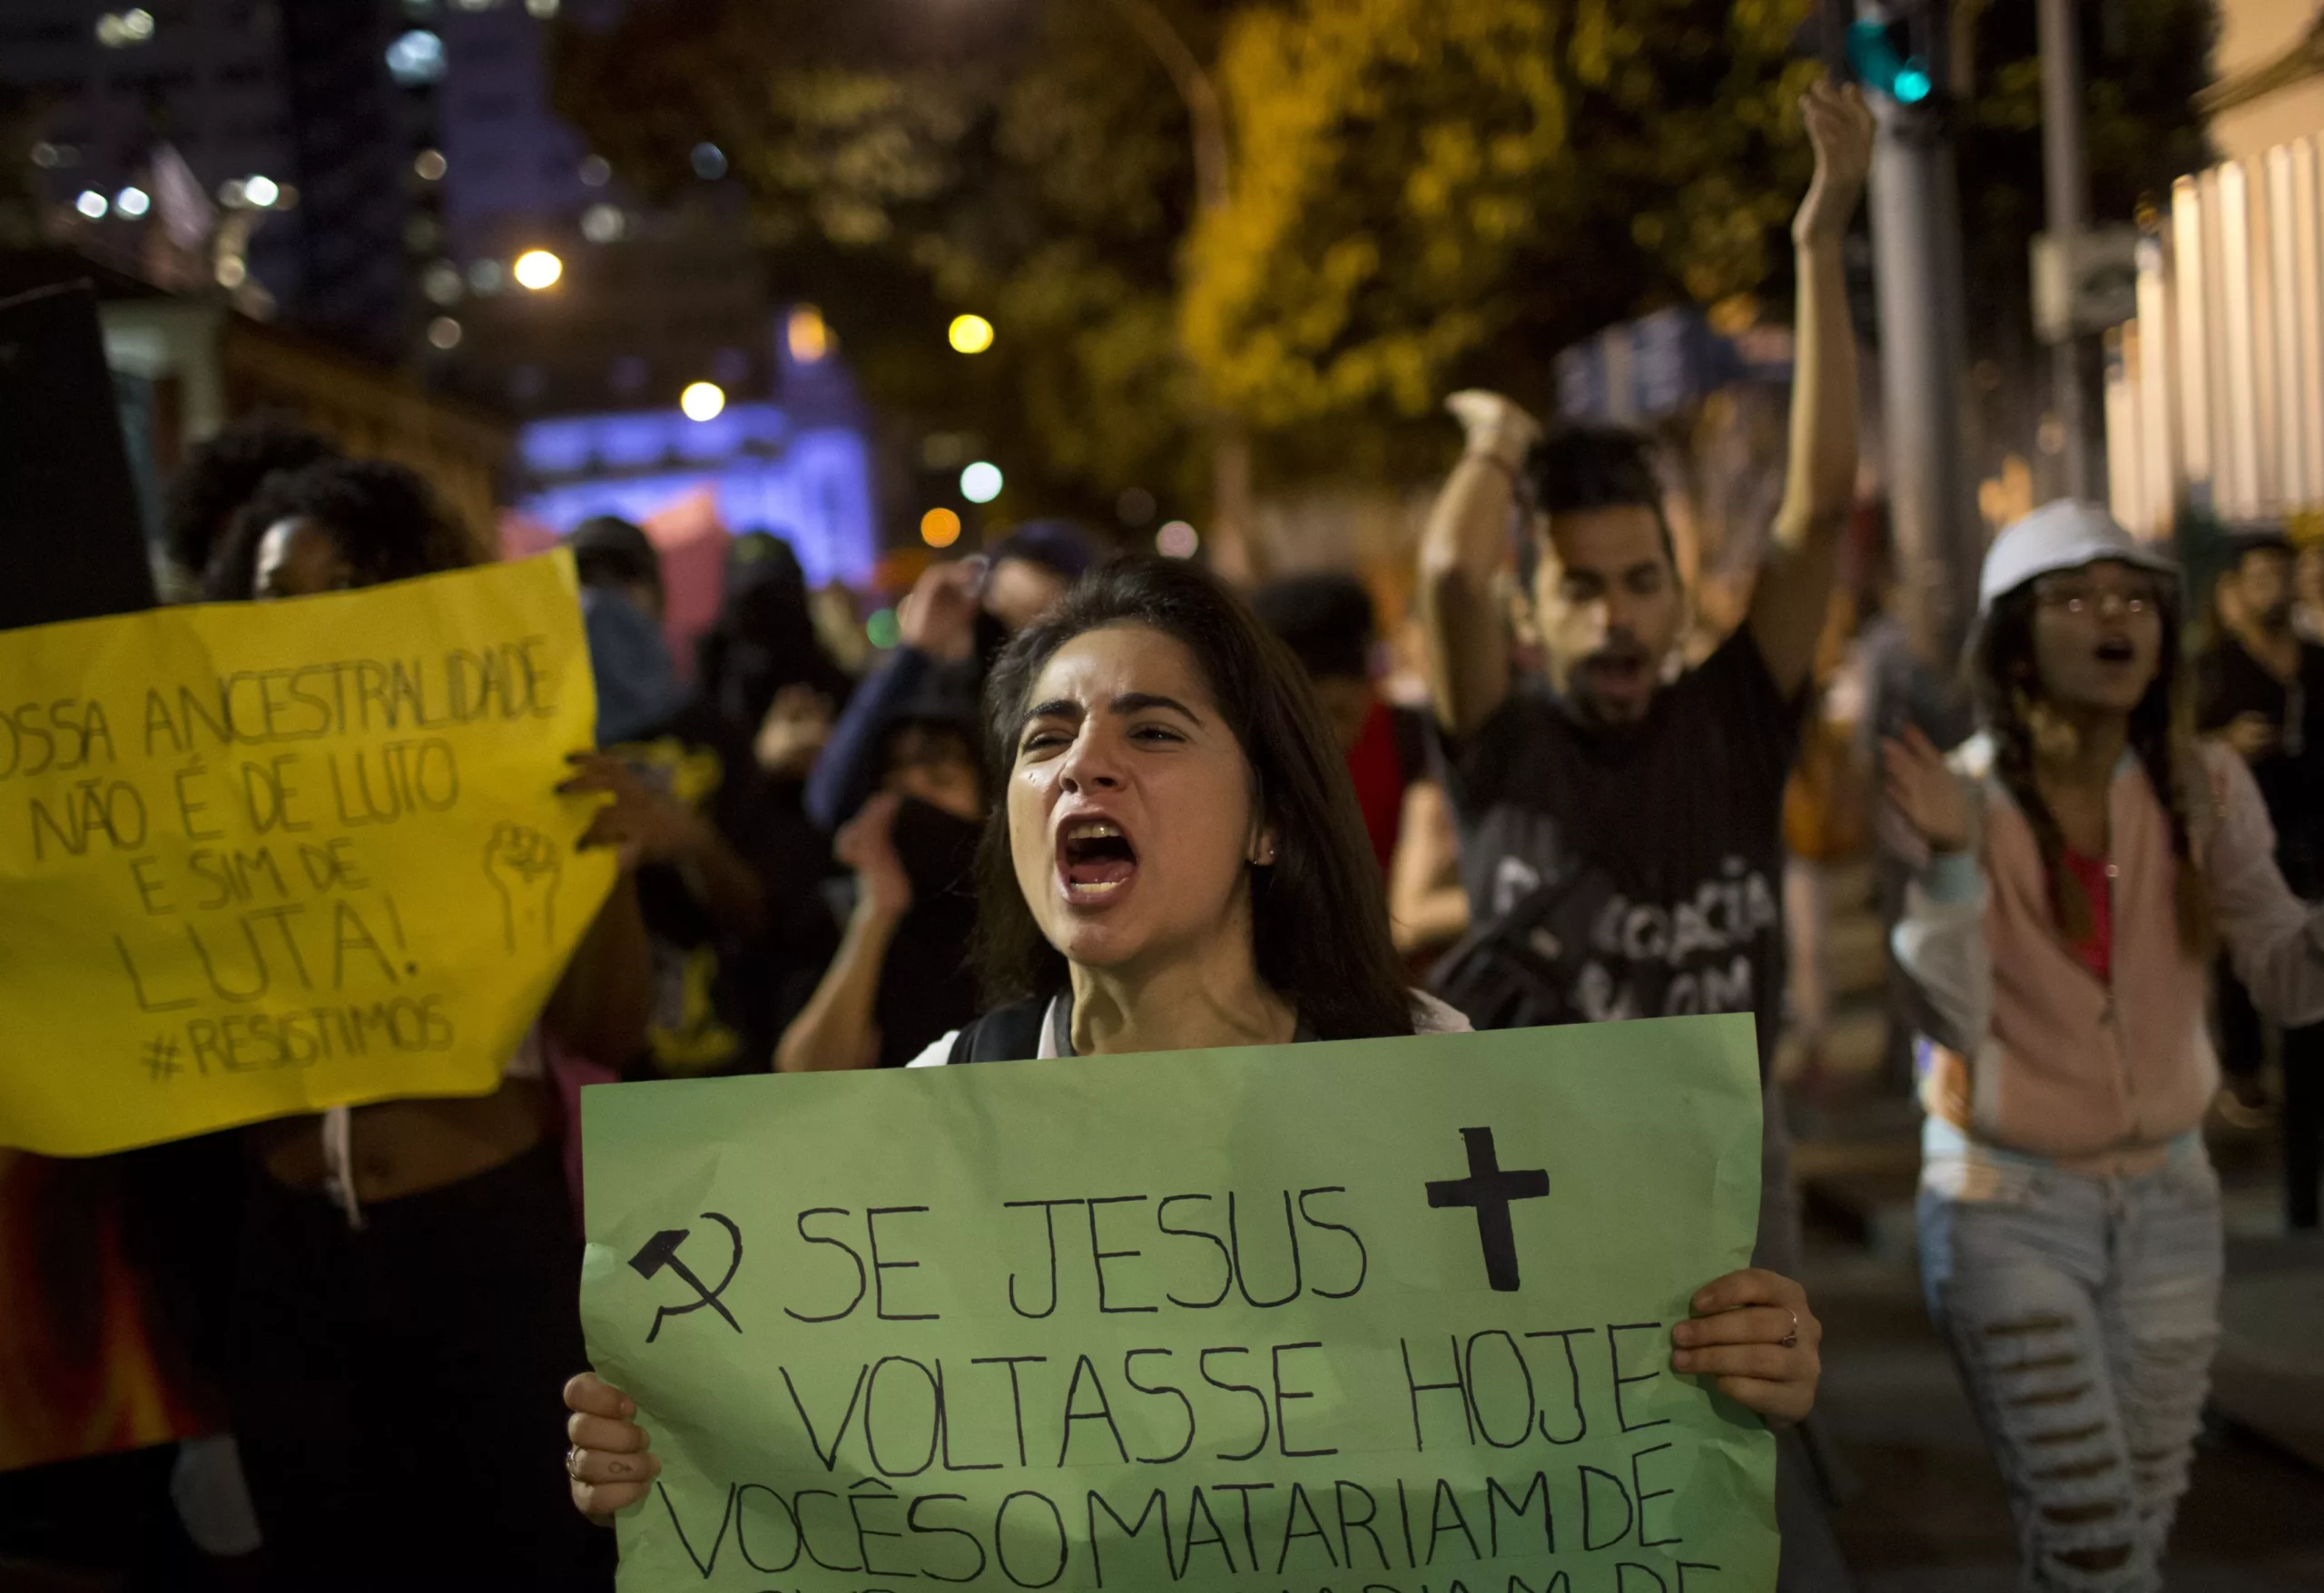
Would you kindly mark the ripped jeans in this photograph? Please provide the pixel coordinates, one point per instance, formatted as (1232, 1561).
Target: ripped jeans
(2083, 1313)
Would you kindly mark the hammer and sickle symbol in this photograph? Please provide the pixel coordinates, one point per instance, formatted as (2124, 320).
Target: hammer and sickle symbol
(661, 1252)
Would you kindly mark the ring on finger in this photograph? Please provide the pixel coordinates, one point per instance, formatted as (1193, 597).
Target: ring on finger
(573, 1463)
(1790, 1340)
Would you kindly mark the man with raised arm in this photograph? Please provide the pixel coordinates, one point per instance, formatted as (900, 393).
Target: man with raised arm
(1620, 833)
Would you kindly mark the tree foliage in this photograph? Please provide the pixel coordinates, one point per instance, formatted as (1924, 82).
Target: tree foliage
(1426, 195)
(1439, 192)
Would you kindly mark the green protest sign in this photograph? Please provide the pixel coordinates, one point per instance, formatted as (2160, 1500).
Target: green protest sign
(1382, 1315)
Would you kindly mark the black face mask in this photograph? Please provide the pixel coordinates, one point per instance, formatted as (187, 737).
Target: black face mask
(939, 852)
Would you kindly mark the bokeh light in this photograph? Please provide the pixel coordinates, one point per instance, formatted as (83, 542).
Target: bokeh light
(538, 269)
(603, 223)
(416, 59)
(444, 332)
(703, 400)
(981, 482)
(808, 339)
(131, 202)
(971, 334)
(1178, 540)
(93, 204)
(940, 527)
(882, 630)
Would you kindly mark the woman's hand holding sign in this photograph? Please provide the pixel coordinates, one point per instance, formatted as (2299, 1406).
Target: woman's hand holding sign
(1753, 1333)
(609, 1463)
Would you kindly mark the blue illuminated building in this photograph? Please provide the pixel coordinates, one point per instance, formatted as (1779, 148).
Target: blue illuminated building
(811, 481)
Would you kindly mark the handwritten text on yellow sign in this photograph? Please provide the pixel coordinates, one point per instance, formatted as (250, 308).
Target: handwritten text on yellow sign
(262, 859)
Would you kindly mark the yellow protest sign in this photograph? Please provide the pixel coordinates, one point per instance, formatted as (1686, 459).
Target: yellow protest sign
(262, 859)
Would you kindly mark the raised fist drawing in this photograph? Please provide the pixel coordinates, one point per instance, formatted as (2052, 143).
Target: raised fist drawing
(524, 866)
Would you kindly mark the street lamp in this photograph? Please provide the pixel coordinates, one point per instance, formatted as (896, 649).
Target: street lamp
(538, 269)
(971, 334)
(980, 482)
(940, 527)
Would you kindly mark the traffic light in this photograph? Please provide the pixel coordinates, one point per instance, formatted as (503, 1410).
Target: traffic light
(1881, 56)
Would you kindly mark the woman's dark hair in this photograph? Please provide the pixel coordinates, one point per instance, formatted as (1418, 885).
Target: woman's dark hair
(387, 522)
(1319, 913)
(2008, 686)
(224, 473)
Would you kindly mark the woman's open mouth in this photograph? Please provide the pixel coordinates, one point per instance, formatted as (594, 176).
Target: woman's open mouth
(1095, 859)
(2116, 649)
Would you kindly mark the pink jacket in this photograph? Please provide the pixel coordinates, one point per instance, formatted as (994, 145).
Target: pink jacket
(2037, 1054)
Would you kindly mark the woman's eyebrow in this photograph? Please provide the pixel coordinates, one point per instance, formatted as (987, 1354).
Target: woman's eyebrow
(1055, 708)
(1143, 701)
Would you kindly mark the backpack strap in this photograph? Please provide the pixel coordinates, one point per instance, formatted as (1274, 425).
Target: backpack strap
(1009, 1034)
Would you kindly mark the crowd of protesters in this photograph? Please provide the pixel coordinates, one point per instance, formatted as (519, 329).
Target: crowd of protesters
(1171, 816)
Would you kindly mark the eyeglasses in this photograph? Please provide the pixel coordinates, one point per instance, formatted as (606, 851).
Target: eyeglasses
(2078, 598)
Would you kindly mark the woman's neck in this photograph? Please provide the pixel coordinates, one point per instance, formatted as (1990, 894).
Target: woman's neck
(2086, 758)
(1211, 998)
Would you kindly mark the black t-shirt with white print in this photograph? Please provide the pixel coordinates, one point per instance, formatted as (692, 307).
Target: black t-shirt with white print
(1662, 841)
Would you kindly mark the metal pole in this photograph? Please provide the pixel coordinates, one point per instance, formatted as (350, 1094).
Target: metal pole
(1916, 246)
(2066, 180)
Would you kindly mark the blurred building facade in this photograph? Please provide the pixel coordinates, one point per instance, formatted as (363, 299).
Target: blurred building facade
(2270, 69)
(648, 301)
(262, 147)
(2215, 389)
(369, 175)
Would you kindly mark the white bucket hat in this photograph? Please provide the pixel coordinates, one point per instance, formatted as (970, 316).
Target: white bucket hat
(2065, 534)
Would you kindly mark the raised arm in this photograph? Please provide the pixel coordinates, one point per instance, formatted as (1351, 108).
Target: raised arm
(663, 830)
(936, 625)
(1795, 588)
(1427, 907)
(836, 1030)
(1462, 550)
(603, 1003)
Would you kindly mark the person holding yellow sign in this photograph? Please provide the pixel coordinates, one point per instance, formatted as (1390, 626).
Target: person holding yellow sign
(432, 1235)
(1177, 863)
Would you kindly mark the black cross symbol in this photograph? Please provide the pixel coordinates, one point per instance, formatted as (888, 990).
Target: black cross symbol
(661, 1251)
(1490, 1191)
